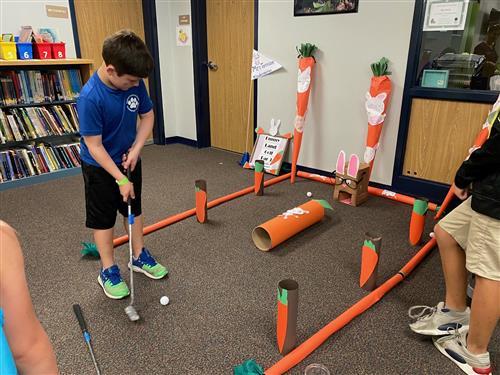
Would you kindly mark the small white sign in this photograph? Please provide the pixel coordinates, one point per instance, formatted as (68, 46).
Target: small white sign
(445, 15)
(262, 65)
(183, 35)
(271, 150)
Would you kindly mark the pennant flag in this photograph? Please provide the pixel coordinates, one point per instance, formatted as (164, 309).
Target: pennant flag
(262, 65)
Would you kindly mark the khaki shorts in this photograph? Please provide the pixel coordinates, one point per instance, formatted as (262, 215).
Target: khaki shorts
(479, 236)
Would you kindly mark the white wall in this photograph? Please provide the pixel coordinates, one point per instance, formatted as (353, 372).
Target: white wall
(17, 13)
(176, 67)
(348, 44)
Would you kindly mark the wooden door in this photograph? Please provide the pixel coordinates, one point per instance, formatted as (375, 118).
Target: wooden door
(439, 137)
(98, 19)
(230, 44)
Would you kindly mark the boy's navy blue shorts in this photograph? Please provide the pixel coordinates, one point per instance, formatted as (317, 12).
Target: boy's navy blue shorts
(103, 198)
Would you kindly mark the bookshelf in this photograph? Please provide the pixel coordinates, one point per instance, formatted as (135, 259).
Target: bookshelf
(39, 138)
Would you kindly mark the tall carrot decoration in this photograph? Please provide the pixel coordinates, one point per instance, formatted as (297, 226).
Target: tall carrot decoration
(417, 221)
(201, 200)
(377, 100)
(286, 321)
(306, 64)
(259, 177)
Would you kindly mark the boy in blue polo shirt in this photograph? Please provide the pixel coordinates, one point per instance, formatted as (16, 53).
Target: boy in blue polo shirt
(111, 143)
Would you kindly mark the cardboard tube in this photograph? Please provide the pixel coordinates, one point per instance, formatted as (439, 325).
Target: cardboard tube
(417, 222)
(200, 187)
(370, 255)
(275, 231)
(286, 320)
(312, 343)
(183, 215)
(259, 178)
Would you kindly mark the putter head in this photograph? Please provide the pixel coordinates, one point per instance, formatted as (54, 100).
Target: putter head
(132, 313)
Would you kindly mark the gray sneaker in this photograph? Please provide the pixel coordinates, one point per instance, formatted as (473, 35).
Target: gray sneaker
(455, 348)
(438, 320)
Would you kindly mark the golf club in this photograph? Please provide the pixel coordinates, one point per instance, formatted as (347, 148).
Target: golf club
(130, 309)
(86, 334)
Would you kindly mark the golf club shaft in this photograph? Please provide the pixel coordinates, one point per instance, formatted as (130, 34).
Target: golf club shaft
(130, 222)
(98, 372)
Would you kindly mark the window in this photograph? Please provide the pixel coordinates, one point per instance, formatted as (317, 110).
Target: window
(460, 45)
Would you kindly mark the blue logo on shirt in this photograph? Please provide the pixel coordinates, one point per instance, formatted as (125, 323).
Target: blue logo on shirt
(133, 103)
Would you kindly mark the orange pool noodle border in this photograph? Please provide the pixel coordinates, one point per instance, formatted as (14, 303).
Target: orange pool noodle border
(312, 343)
(183, 215)
(279, 229)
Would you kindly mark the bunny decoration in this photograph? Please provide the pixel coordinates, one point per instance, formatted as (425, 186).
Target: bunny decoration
(351, 180)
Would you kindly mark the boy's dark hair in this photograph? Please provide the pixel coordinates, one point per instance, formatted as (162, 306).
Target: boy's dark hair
(127, 53)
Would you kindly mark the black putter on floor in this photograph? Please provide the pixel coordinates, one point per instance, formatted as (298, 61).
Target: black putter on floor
(86, 334)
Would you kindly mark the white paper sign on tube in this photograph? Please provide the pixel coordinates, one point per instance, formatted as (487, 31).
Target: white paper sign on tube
(263, 65)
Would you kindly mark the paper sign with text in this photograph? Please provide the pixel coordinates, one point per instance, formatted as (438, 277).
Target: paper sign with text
(271, 150)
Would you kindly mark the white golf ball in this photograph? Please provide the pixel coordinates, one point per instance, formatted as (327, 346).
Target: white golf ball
(164, 300)
(309, 194)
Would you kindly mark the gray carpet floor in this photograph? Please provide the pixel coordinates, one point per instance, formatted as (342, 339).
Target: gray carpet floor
(222, 289)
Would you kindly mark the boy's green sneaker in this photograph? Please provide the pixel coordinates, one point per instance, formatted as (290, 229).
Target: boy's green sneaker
(146, 264)
(112, 283)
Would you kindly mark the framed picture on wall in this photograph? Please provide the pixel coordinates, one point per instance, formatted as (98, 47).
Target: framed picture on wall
(319, 7)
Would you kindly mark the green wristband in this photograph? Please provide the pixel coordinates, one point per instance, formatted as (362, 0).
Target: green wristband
(123, 181)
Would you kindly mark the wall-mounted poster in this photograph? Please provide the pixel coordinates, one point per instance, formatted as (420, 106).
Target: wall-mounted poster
(319, 7)
(183, 35)
(271, 149)
(445, 15)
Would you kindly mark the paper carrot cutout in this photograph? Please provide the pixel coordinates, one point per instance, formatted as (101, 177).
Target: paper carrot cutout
(369, 262)
(377, 100)
(200, 187)
(286, 321)
(479, 141)
(306, 65)
(275, 231)
(417, 221)
(259, 177)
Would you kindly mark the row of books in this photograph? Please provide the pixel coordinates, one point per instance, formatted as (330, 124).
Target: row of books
(32, 160)
(36, 86)
(21, 124)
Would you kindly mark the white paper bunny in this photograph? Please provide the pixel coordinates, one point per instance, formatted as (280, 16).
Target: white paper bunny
(375, 108)
(304, 80)
(275, 127)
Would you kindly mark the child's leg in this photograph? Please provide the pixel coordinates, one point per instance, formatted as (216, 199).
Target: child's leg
(455, 273)
(104, 241)
(137, 234)
(485, 313)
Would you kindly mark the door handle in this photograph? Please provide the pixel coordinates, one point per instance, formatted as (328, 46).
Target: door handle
(211, 65)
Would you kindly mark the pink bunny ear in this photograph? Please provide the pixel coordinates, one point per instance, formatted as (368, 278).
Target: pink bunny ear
(352, 169)
(341, 162)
